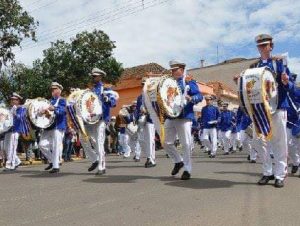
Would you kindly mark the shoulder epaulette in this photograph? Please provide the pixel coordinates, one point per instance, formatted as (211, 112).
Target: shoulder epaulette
(189, 78)
(107, 85)
(254, 65)
(277, 57)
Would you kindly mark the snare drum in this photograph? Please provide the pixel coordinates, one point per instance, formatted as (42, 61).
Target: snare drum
(6, 119)
(258, 95)
(87, 106)
(37, 115)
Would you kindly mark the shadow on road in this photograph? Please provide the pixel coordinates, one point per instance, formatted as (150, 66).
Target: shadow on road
(242, 173)
(117, 179)
(117, 167)
(194, 183)
(45, 174)
(223, 162)
(205, 183)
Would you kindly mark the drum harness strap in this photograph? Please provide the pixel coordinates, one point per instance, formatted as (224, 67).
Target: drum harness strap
(288, 95)
(186, 88)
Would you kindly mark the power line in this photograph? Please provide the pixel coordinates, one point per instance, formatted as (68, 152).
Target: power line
(85, 18)
(274, 34)
(89, 18)
(35, 2)
(106, 20)
(43, 6)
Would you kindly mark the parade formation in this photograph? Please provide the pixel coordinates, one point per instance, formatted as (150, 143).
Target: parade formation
(266, 124)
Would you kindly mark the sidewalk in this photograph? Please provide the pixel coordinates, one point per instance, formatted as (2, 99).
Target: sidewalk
(39, 162)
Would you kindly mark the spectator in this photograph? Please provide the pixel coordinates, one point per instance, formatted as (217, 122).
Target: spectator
(68, 144)
(113, 134)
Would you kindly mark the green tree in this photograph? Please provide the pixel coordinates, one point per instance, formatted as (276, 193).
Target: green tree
(29, 82)
(15, 25)
(71, 63)
(66, 63)
(6, 86)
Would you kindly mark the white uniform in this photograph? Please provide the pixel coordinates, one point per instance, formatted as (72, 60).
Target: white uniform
(10, 146)
(51, 145)
(51, 140)
(124, 142)
(226, 140)
(278, 145)
(248, 144)
(235, 140)
(2, 150)
(134, 142)
(94, 147)
(293, 145)
(182, 128)
(211, 144)
(149, 141)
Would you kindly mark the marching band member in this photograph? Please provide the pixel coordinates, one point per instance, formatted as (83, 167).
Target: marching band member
(148, 130)
(278, 142)
(11, 137)
(235, 134)
(51, 141)
(97, 131)
(113, 134)
(244, 122)
(209, 120)
(226, 122)
(123, 119)
(292, 127)
(181, 126)
(134, 141)
(219, 132)
(2, 156)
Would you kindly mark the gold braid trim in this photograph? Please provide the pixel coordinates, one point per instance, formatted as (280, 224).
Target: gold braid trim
(266, 103)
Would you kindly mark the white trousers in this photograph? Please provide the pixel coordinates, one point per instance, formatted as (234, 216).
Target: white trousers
(219, 134)
(182, 128)
(10, 147)
(211, 144)
(294, 148)
(278, 144)
(124, 142)
(134, 143)
(1, 149)
(94, 147)
(235, 140)
(226, 138)
(149, 141)
(51, 145)
(248, 145)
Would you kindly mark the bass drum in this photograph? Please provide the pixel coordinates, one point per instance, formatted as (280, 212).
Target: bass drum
(6, 119)
(170, 95)
(36, 114)
(165, 97)
(258, 96)
(87, 105)
(132, 129)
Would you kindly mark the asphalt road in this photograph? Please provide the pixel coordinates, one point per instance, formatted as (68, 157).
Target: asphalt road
(222, 191)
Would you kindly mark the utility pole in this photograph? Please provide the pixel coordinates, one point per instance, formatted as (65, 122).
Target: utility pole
(217, 54)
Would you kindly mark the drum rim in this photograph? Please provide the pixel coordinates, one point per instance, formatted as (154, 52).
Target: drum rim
(30, 118)
(266, 68)
(78, 105)
(160, 84)
(11, 120)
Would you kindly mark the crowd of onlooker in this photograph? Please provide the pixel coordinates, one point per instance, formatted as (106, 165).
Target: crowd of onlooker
(28, 146)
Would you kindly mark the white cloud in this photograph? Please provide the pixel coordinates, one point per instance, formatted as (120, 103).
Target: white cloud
(188, 30)
(294, 65)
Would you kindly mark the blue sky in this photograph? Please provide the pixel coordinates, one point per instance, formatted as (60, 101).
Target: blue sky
(188, 30)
